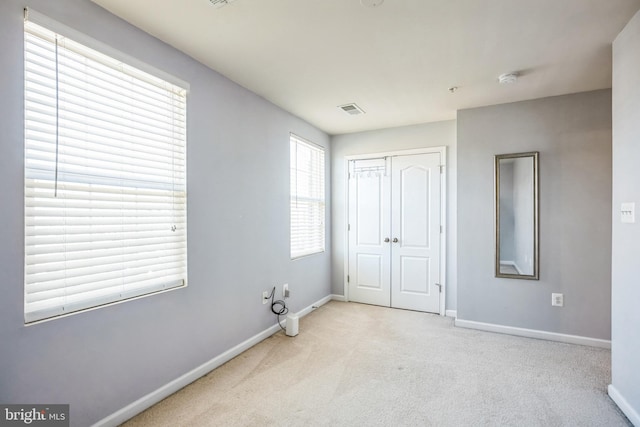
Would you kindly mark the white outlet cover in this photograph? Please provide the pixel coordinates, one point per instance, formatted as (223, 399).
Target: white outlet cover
(557, 300)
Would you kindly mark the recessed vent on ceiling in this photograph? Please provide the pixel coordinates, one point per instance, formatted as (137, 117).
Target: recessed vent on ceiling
(219, 3)
(352, 109)
(371, 3)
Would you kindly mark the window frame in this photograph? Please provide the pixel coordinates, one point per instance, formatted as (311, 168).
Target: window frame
(315, 234)
(170, 186)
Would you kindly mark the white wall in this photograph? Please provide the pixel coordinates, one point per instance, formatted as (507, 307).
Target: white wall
(403, 138)
(573, 135)
(625, 274)
(238, 240)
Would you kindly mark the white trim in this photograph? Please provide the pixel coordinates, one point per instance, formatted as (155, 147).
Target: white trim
(451, 313)
(168, 389)
(313, 306)
(336, 297)
(624, 406)
(345, 282)
(533, 333)
(425, 150)
(82, 38)
(442, 150)
(443, 225)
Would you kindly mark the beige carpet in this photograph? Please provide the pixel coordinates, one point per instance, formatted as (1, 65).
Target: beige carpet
(360, 365)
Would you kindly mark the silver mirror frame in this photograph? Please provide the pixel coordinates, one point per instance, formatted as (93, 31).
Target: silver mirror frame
(536, 214)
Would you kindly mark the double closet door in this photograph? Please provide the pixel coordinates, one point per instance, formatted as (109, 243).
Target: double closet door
(394, 231)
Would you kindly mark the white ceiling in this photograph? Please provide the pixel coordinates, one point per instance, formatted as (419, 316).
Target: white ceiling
(397, 60)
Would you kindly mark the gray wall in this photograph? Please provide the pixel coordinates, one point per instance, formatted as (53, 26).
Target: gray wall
(238, 242)
(402, 138)
(573, 135)
(625, 352)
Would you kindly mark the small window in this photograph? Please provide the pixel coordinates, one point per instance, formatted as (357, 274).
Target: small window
(105, 179)
(307, 198)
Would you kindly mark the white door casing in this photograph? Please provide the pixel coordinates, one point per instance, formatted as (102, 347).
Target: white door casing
(399, 198)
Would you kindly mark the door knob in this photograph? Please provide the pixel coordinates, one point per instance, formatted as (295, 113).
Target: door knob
(395, 240)
(386, 240)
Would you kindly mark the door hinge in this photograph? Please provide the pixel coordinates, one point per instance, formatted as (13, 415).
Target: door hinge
(439, 287)
(348, 278)
(440, 229)
(441, 168)
(348, 227)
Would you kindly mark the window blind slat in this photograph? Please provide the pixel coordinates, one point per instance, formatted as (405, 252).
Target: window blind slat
(113, 258)
(150, 250)
(95, 246)
(105, 179)
(72, 281)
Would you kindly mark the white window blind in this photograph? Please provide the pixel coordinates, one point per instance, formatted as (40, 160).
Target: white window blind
(105, 179)
(307, 198)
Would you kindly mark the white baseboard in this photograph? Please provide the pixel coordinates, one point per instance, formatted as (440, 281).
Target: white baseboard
(624, 406)
(451, 313)
(341, 298)
(313, 306)
(533, 333)
(168, 389)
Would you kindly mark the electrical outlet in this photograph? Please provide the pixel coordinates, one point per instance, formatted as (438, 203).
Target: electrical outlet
(265, 297)
(557, 300)
(285, 290)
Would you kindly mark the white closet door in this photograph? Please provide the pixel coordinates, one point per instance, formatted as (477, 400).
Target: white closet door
(415, 232)
(369, 219)
(394, 232)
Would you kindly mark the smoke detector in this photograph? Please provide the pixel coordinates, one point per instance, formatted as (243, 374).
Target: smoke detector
(508, 78)
(219, 3)
(352, 109)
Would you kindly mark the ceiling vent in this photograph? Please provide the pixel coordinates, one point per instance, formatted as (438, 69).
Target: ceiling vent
(219, 3)
(352, 109)
(508, 78)
(371, 3)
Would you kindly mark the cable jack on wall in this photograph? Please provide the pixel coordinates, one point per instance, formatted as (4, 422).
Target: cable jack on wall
(279, 308)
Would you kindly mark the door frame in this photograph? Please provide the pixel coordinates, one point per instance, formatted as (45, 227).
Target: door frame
(442, 150)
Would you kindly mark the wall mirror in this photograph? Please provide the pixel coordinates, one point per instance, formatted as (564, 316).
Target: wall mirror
(516, 194)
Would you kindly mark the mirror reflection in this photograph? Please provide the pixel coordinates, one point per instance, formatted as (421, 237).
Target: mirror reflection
(516, 177)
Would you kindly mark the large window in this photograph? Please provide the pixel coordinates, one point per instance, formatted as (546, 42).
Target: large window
(307, 198)
(105, 182)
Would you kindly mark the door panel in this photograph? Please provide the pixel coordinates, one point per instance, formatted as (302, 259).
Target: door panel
(369, 219)
(369, 271)
(414, 199)
(369, 208)
(415, 257)
(414, 275)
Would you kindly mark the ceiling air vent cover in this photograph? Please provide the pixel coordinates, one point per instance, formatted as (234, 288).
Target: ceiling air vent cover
(219, 3)
(352, 109)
